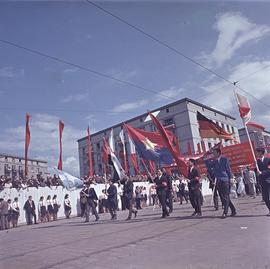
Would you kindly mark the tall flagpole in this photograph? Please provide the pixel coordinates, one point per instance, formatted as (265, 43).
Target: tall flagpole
(249, 140)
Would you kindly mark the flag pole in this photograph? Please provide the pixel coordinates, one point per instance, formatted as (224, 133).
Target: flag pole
(248, 136)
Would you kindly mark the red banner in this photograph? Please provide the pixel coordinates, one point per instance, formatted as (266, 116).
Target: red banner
(90, 154)
(27, 142)
(61, 128)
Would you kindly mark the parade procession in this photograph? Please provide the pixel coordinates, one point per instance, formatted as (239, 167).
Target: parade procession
(135, 134)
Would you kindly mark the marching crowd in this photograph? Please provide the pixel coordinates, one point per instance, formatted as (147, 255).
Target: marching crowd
(163, 192)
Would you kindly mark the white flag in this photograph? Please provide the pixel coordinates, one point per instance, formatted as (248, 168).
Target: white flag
(111, 141)
(69, 182)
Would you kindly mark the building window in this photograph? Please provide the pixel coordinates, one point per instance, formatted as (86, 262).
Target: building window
(222, 125)
(232, 130)
(167, 110)
(83, 151)
(168, 122)
(202, 108)
(141, 120)
(209, 145)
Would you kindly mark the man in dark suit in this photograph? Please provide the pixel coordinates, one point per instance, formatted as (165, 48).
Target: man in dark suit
(92, 200)
(162, 190)
(194, 188)
(222, 172)
(112, 200)
(169, 198)
(128, 194)
(264, 176)
(30, 210)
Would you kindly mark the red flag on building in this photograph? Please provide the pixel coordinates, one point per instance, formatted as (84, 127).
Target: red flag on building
(152, 167)
(182, 166)
(244, 107)
(189, 148)
(209, 129)
(61, 128)
(199, 148)
(203, 146)
(27, 142)
(105, 151)
(90, 153)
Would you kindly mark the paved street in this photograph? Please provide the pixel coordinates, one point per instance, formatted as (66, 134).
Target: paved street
(180, 241)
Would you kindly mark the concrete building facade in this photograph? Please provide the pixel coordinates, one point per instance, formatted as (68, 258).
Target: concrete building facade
(259, 139)
(180, 117)
(14, 166)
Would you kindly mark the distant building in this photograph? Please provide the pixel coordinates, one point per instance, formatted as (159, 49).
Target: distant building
(14, 166)
(260, 139)
(180, 117)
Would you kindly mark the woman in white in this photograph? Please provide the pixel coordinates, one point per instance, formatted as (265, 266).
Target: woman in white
(67, 206)
(49, 208)
(15, 212)
(55, 207)
(241, 186)
(42, 211)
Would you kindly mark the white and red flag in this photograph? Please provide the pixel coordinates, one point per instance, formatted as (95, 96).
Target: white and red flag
(244, 107)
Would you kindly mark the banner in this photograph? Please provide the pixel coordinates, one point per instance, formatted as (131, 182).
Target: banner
(61, 128)
(69, 182)
(27, 142)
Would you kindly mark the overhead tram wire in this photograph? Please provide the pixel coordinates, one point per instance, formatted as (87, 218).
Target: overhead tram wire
(164, 44)
(57, 59)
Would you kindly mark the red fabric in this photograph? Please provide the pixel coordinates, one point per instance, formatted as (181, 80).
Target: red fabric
(27, 142)
(90, 154)
(255, 126)
(209, 129)
(189, 148)
(61, 128)
(203, 146)
(182, 166)
(199, 148)
(152, 166)
(135, 163)
(105, 151)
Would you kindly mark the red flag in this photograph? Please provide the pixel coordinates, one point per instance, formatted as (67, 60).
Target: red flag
(199, 148)
(61, 128)
(27, 142)
(182, 166)
(90, 154)
(189, 148)
(244, 107)
(152, 167)
(254, 126)
(105, 151)
(203, 146)
(209, 129)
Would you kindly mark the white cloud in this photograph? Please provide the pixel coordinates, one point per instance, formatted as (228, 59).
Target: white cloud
(45, 141)
(169, 95)
(70, 70)
(11, 72)
(75, 97)
(234, 30)
(130, 106)
(220, 94)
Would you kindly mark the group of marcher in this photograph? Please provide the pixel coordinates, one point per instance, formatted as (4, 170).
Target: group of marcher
(163, 191)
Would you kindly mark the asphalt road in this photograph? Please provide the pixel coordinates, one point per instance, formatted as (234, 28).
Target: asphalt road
(180, 241)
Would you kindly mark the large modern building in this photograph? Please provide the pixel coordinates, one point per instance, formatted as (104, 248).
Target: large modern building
(14, 166)
(180, 117)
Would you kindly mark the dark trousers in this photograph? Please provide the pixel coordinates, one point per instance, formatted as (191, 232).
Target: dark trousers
(92, 205)
(169, 201)
(224, 193)
(154, 197)
(162, 196)
(123, 202)
(129, 206)
(215, 197)
(138, 203)
(266, 194)
(29, 216)
(195, 200)
(112, 208)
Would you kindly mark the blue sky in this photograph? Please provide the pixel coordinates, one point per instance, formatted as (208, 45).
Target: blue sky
(231, 38)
